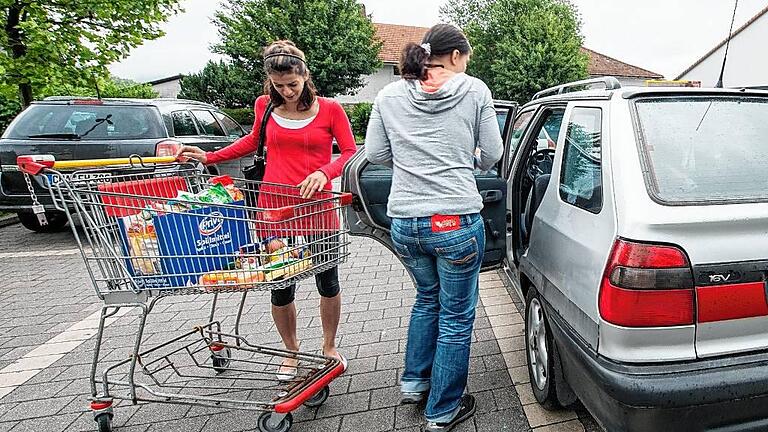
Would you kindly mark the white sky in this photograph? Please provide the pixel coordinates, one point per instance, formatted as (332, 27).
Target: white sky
(664, 36)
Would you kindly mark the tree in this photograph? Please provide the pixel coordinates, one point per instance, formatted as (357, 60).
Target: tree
(222, 84)
(337, 38)
(49, 43)
(521, 46)
(110, 87)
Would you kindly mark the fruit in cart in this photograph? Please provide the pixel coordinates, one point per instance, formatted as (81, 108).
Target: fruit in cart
(274, 245)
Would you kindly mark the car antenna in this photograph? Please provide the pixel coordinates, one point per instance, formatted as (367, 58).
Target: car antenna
(96, 84)
(727, 44)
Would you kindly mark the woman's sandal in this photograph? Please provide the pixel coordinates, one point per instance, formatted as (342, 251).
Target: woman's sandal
(287, 373)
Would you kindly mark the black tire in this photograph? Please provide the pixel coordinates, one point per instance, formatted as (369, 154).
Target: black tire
(104, 422)
(221, 360)
(284, 425)
(539, 348)
(56, 221)
(319, 398)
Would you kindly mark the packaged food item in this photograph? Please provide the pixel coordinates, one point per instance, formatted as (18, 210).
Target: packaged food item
(249, 256)
(223, 278)
(234, 192)
(142, 245)
(215, 194)
(286, 268)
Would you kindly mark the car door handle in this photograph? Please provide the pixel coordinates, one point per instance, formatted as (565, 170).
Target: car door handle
(490, 196)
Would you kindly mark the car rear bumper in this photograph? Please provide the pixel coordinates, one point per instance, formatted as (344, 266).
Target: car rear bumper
(719, 395)
(15, 197)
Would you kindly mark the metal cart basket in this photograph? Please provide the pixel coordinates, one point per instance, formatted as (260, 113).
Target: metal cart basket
(151, 228)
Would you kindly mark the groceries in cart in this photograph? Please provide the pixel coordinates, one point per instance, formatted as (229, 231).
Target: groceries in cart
(272, 259)
(171, 242)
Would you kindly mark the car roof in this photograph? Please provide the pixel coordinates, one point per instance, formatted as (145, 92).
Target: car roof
(166, 103)
(614, 89)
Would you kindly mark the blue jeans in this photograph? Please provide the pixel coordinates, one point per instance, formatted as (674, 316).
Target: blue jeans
(445, 267)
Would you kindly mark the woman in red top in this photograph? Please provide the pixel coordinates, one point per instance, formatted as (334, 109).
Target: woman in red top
(299, 137)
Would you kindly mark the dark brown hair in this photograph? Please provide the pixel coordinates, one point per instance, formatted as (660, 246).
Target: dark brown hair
(442, 39)
(282, 57)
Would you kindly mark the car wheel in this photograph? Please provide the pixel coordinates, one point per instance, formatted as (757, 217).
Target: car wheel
(539, 347)
(56, 221)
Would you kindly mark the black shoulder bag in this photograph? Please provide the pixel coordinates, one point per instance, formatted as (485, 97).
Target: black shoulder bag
(255, 172)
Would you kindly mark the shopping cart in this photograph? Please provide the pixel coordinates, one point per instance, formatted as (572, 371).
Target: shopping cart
(152, 228)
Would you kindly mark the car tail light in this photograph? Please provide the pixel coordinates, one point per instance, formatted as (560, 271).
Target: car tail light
(647, 285)
(167, 148)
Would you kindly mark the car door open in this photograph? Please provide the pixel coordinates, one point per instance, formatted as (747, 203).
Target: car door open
(370, 184)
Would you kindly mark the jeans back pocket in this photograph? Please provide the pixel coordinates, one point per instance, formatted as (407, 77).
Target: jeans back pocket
(462, 256)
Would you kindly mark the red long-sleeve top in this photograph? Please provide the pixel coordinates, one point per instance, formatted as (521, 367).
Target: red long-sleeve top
(293, 154)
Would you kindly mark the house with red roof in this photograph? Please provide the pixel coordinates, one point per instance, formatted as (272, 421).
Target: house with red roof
(394, 37)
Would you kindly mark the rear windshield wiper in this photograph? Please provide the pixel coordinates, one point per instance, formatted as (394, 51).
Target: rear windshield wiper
(63, 135)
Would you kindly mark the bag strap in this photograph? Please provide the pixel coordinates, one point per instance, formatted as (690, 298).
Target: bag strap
(263, 131)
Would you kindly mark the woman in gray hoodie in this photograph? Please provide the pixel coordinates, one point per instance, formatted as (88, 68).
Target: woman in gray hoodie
(434, 128)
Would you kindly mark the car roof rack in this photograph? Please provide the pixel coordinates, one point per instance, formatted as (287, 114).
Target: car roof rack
(609, 82)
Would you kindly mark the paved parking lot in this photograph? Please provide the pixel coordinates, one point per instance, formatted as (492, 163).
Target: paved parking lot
(48, 316)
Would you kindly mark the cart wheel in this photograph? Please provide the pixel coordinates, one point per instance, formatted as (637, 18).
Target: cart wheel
(284, 425)
(221, 360)
(104, 422)
(318, 399)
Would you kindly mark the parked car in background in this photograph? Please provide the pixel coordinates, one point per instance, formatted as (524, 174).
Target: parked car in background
(86, 128)
(639, 243)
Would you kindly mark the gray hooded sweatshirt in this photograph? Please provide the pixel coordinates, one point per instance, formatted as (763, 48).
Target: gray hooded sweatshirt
(433, 142)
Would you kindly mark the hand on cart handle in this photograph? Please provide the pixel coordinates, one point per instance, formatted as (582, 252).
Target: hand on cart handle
(313, 183)
(186, 153)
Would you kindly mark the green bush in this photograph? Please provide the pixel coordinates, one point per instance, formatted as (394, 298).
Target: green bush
(244, 116)
(9, 108)
(359, 115)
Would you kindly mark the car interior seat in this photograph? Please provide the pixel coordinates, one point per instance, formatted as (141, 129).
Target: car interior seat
(534, 199)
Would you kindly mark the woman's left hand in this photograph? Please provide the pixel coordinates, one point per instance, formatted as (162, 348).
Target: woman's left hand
(313, 183)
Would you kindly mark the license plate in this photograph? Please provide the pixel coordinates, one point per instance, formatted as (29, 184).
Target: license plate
(54, 179)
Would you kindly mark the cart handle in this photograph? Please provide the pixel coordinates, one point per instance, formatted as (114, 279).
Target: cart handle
(34, 164)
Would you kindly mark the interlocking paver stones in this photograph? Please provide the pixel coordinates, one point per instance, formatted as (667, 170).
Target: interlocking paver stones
(377, 298)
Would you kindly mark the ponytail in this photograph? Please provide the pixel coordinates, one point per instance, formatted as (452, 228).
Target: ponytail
(440, 40)
(413, 62)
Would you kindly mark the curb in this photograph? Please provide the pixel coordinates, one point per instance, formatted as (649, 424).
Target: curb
(8, 220)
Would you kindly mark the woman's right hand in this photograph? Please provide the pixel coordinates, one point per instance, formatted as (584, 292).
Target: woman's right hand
(186, 153)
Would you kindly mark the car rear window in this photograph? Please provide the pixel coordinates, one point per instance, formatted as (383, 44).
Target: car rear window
(87, 122)
(705, 149)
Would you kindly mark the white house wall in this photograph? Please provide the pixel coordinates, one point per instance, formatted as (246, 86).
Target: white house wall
(747, 64)
(169, 89)
(374, 83)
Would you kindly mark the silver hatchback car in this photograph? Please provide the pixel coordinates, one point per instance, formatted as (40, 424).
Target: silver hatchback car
(636, 230)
